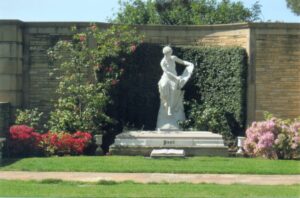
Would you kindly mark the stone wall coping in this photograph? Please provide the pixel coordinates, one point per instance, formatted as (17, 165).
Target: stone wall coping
(275, 25)
(169, 134)
(170, 27)
(11, 22)
(143, 27)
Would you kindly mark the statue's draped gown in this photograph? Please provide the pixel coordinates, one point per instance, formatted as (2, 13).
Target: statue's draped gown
(171, 96)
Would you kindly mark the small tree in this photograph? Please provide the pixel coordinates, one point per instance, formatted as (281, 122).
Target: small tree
(294, 5)
(83, 95)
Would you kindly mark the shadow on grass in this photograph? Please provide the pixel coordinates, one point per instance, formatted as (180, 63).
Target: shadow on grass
(8, 161)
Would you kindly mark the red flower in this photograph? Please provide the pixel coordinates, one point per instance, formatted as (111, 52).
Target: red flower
(109, 69)
(23, 140)
(20, 132)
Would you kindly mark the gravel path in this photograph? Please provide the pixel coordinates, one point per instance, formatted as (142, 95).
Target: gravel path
(154, 177)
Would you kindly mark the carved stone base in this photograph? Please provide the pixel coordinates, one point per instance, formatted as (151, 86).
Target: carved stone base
(195, 143)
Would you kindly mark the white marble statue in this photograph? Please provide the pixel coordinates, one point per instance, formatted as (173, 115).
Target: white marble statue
(171, 96)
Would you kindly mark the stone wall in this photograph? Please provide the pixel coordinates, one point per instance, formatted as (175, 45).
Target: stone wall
(273, 49)
(276, 56)
(39, 88)
(11, 62)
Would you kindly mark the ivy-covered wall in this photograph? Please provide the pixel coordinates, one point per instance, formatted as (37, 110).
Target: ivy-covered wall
(218, 81)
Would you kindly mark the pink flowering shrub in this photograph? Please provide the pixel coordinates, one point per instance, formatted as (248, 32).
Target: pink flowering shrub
(273, 139)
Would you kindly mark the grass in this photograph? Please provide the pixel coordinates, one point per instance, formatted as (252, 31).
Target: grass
(139, 164)
(57, 188)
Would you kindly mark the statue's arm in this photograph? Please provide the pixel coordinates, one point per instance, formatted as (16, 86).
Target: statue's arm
(183, 62)
(187, 72)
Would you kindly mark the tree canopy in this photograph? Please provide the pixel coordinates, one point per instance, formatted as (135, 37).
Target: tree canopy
(294, 5)
(185, 12)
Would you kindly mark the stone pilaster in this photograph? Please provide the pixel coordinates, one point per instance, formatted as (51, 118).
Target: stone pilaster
(11, 61)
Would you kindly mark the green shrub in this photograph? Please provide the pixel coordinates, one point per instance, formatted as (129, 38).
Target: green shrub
(83, 93)
(29, 117)
(218, 86)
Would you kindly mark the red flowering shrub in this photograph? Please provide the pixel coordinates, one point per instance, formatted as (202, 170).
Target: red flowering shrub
(64, 143)
(23, 141)
(80, 141)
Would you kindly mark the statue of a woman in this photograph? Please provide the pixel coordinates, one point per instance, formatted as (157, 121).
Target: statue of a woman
(171, 96)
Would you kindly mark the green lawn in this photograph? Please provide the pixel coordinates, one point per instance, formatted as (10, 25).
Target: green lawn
(52, 188)
(148, 165)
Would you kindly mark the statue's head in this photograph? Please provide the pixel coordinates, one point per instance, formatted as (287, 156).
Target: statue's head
(167, 50)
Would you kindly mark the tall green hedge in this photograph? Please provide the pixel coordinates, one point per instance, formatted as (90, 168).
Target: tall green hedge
(217, 86)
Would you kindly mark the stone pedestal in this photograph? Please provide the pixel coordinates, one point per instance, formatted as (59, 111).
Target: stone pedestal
(98, 141)
(194, 143)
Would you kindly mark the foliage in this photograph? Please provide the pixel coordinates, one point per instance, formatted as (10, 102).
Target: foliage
(273, 138)
(185, 12)
(29, 117)
(219, 79)
(83, 95)
(294, 5)
(204, 117)
(64, 143)
(23, 141)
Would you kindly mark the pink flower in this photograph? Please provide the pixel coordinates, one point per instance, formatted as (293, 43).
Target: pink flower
(93, 27)
(266, 141)
(132, 48)
(114, 82)
(296, 139)
(82, 37)
(294, 146)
